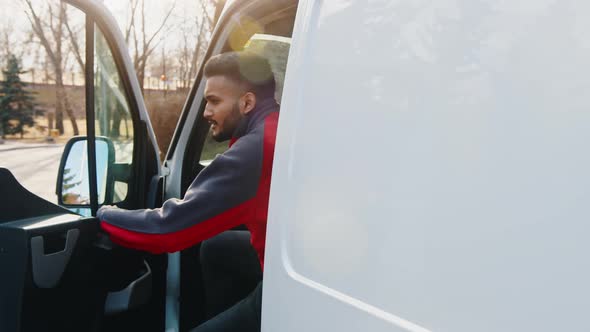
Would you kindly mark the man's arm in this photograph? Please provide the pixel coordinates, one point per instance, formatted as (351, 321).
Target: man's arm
(220, 198)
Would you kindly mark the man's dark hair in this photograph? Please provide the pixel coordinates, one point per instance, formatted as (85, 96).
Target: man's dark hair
(246, 68)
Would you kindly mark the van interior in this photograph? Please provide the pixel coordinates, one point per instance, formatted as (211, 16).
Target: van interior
(264, 27)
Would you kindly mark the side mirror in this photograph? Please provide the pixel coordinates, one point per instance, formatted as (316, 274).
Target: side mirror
(73, 179)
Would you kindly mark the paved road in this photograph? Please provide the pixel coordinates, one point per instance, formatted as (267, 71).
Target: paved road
(34, 167)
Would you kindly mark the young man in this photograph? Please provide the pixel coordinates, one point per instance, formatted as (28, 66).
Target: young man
(233, 190)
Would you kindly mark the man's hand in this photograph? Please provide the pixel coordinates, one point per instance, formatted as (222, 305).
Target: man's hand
(103, 208)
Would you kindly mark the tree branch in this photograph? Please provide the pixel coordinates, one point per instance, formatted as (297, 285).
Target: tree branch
(75, 45)
(160, 27)
(134, 4)
(38, 30)
(206, 14)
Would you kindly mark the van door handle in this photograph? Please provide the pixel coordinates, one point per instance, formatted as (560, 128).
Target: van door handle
(48, 269)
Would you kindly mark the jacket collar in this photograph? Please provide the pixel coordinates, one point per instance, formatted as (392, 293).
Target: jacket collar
(263, 108)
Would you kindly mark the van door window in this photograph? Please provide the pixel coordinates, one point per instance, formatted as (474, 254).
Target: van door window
(112, 115)
(276, 49)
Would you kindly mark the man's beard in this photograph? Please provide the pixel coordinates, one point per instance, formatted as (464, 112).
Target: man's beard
(230, 124)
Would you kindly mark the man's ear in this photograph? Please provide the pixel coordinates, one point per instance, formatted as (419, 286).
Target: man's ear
(247, 103)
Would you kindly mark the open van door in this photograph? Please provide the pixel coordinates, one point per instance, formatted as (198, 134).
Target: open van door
(63, 275)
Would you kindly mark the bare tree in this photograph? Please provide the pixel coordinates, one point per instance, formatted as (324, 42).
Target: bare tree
(75, 38)
(144, 44)
(7, 43)
(191, 51)
(183, 58)
(200, 46)
(12, 42)
(49, 30)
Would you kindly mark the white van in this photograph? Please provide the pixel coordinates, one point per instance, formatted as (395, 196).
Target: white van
(431, 174)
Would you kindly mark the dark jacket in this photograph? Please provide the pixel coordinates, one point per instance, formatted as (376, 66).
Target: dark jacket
(231, 191)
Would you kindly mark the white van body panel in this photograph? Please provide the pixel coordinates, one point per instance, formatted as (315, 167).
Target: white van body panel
(432, 169)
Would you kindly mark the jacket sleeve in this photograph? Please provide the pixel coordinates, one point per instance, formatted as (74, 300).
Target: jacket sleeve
(220, 198)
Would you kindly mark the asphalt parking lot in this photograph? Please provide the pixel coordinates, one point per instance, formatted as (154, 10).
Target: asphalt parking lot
(35, 166)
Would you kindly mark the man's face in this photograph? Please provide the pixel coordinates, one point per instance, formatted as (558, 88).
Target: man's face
(223, 106)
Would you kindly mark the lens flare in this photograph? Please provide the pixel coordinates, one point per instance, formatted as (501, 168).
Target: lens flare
(244, 29)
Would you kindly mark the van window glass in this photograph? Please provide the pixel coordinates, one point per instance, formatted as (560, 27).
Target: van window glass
(276, 49)
(112, 115)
